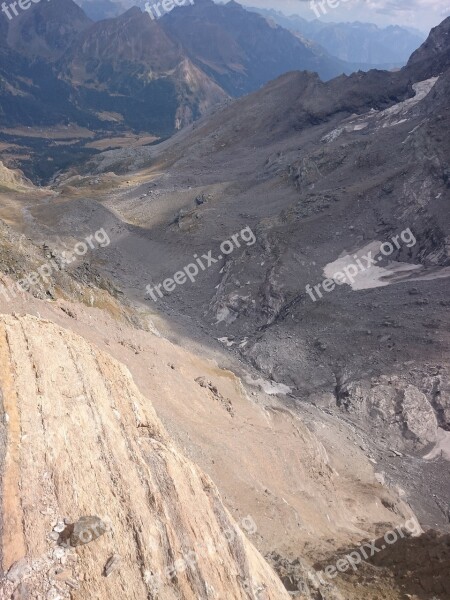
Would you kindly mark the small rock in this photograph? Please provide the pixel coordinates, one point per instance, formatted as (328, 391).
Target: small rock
(53, 594)
(199, 200)
(396, 452)
(58, 553)
(19, 570)
(85, 530)
(72, 584)
(47, 510)
(201, 381)
(112, 564)
(21, 593)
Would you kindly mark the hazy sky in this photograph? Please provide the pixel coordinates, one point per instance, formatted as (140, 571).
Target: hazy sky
(421, 14)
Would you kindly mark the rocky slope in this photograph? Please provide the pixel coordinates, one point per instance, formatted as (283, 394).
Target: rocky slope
(13, 180)
(323, 420)
(433, 56)
(307, 473)
(323, 173)
(81, 440)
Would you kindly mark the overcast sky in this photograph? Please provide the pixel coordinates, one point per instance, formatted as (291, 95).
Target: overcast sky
(421, 14)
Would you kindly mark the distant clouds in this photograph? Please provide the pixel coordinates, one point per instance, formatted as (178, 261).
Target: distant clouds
(421, 14)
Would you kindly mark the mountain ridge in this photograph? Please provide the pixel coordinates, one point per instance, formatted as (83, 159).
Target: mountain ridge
(114, 78)
(323, 420)
(354, 41)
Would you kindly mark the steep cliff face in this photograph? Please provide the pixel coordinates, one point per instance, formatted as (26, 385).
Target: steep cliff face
(434, 54)
(78, 439)
(13, 179)
(132, 67)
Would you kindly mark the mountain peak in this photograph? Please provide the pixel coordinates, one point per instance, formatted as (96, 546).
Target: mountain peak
(433, 56)
(131, 12)
(48, 29)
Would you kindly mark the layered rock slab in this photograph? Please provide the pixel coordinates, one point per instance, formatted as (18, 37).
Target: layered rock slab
(80, 439)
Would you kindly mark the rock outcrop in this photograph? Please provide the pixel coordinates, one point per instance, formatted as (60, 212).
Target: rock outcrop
(76, 439)
(13, 179)
(393, 406)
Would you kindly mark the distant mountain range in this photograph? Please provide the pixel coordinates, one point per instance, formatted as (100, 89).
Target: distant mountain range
(355, 42)
(102, 9)
(129, 73)
(156, 75)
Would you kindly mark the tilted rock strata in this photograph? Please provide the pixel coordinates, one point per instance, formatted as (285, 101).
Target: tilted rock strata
(82, 440)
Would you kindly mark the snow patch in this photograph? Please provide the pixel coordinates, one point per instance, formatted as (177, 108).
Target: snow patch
(269, 387)
(442, 446)
(226, 341)
(380, 276)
